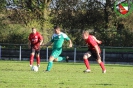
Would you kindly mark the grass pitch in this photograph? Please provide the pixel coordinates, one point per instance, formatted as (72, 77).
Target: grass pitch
(17, 74)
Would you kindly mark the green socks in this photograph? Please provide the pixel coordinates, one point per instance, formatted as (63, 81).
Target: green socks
(61, 58)
(50, 64)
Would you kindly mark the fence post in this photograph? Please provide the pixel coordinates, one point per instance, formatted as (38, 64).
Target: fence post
(0, 51)
(47, 54)
(20, 53)
(104, 56)
(74, 54)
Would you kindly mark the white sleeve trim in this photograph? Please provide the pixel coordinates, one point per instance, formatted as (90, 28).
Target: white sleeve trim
(64, 35)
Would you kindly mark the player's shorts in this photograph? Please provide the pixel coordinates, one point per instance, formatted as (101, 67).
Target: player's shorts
(56, 52)
(93, 53)
(35, 50)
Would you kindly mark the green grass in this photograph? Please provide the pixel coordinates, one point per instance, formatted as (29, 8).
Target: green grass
(17, 74)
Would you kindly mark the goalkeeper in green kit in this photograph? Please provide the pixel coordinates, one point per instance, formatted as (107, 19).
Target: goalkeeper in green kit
(57, 39)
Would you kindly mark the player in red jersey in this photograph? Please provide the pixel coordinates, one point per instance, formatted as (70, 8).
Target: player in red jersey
(93, 50)
(35, 40)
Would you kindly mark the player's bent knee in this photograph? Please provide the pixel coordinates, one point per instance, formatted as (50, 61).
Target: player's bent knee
(32, 53)
(99, 61)
(55, 60)
(51, 58)
(37, 55)
(85, 56)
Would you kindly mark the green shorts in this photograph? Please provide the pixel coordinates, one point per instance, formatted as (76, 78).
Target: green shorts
(56, 52)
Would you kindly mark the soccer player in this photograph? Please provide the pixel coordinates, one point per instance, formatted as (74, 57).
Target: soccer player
(57, 39)
(93, 50)
(35, 40)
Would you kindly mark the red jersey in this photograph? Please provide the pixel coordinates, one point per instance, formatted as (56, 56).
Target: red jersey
(35, 39)
(91, 43)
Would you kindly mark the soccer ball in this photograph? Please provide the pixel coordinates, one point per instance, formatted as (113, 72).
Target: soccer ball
(34, 68)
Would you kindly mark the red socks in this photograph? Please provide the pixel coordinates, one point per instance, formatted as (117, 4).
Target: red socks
(102, 66)
(31, 59)
(38, 60)
(87, 63)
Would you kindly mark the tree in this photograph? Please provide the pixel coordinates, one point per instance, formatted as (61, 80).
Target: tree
(33, 13)
(73, 16)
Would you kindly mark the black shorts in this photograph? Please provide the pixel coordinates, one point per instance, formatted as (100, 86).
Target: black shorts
(93, 53)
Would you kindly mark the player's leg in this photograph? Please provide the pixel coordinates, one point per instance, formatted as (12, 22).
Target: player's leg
(50, 63)
(59, 58)
(53, 55)
(86, 61)
(56, 55)
(99, 61)
(32, 57)
(38, 57)
(101, 65)
(62, 58)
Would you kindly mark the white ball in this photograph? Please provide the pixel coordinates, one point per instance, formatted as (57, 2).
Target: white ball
(34, 68)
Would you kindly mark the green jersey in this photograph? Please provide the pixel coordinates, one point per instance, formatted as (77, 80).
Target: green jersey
(58, 40)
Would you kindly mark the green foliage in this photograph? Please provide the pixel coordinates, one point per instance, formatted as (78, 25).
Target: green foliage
(72, 16)
(2, 5)
(116, 38)
(14, 34)
(17, 74)
(18, 22)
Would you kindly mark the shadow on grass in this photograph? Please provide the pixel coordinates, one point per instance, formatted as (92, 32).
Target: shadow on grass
(7, 69)
(103, 84)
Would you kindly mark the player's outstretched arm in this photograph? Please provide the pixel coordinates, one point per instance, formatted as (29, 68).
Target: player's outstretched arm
(98, 41)
(41, 41)
(70, 43)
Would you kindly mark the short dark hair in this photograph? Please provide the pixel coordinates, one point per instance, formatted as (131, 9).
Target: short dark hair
(33, 28)
(56, 27)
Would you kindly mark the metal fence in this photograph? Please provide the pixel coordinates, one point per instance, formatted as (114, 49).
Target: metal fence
(21, 52)
(109, 54)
